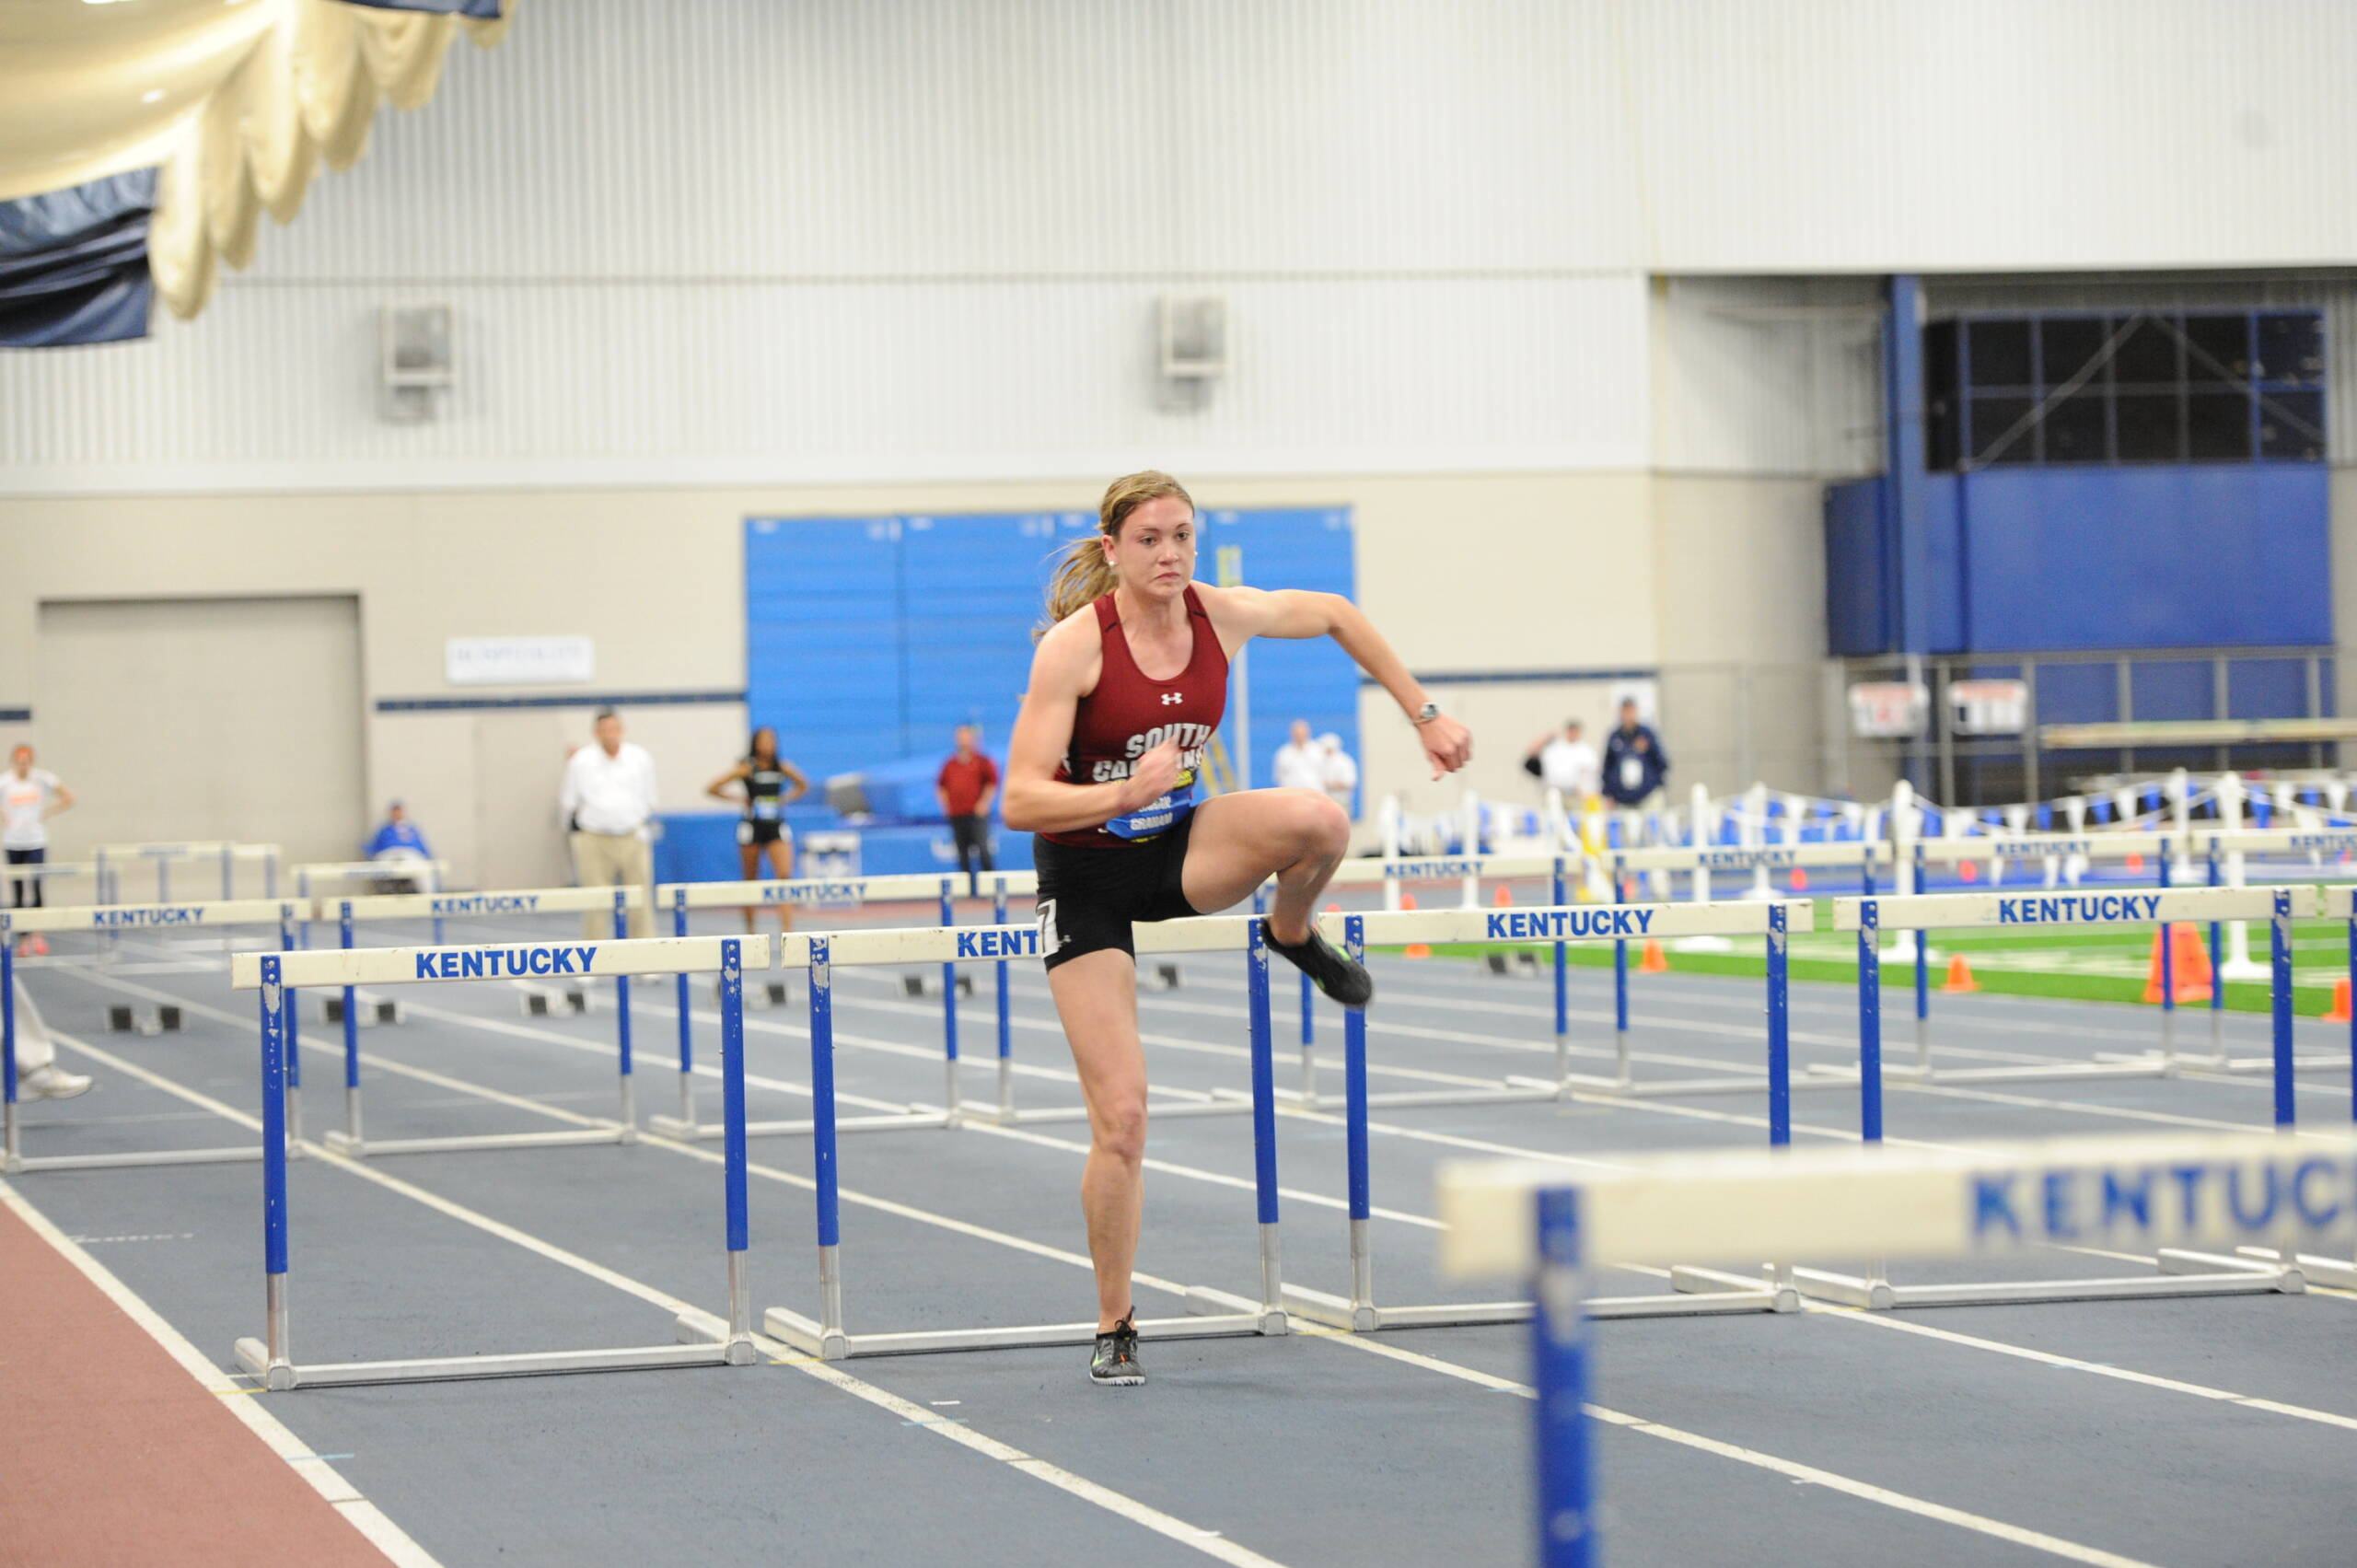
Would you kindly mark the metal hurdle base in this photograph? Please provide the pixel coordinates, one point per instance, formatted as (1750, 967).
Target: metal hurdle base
(916, 1116)
(2182, 1274)
(1695, 1293)
(2339, 1272)
(1211, 1314)
(254, 1357)
(2148, 1064)
(351, 1147)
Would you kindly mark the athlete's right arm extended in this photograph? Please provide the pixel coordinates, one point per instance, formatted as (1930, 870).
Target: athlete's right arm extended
(1036, 801)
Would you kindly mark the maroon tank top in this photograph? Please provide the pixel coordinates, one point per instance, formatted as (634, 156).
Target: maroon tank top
(1129, 715)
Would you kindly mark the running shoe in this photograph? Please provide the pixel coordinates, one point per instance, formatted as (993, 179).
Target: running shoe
(1115, 1364)
(51, 1083)
(1346, 982)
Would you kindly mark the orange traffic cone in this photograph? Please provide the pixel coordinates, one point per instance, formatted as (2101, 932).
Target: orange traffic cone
(1654, 960)
(2338, 1012)
(2135, 861)
(1333, 909)
(1960, 976)
(2191, 961)
(1800, 879)
(1413, 949)
(1967, 871)
(1505, 899)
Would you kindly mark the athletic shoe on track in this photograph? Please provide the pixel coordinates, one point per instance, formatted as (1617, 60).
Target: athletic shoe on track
(50, 1082)
(1346, 982)
(1115, 1364)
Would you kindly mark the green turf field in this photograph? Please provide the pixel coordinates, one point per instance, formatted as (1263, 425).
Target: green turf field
(2090, 964)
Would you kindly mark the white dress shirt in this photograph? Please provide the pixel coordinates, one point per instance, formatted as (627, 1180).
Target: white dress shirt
(1300, 767)
(1571, 766)
(609, 795)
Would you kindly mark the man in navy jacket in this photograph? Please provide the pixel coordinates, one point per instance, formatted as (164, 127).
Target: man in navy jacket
(1634, 763)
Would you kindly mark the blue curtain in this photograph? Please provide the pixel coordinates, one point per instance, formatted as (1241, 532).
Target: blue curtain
(74, 263)
(481, 10)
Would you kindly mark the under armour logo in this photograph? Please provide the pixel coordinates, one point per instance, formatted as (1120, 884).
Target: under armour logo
(1170, 697)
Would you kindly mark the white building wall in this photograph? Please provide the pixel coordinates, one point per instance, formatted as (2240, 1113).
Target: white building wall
(753, 242)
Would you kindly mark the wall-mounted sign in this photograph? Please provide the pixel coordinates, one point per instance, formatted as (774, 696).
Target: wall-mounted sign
(520, 661)
(1988, 708)
(1888, 710)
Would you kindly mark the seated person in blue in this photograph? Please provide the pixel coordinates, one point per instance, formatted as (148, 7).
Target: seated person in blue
(398, 840)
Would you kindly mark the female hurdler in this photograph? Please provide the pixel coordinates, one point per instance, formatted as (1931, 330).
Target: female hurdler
(1129, 684)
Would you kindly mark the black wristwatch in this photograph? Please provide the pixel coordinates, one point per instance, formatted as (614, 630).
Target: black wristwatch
(1428, 712)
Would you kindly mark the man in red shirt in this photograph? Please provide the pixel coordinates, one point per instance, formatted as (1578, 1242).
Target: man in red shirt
(968, 784)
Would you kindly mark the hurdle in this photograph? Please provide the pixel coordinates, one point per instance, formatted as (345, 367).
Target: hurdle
(348, 1139)
(1695, 1291)
(279, 976)
(1521, 1220)
(113, 919)
(338, 872)
(1211, 1312)
(840, 893)
(107, 861)
(2184, 1275)
(2223, 854)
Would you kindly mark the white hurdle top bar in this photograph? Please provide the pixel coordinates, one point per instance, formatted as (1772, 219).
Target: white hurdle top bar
(1572, 923)
(1940, 911)
(1747, 857)
(2032, 846)
(507, 960)
(2131, 1194)
(157, 917)
(1449, 868)
(836, 890)
(2275, 841)
(522, 901)
(2339, 902)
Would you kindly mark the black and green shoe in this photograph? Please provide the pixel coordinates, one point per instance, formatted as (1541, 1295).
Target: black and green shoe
(1332, 973)
(1115, 1364)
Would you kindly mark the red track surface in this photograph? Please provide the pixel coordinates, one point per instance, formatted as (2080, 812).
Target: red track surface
(111, 1454)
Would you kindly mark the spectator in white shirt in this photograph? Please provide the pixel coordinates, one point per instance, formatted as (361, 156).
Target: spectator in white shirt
(1341, 777)
(29, 796)
(1301, 763)
(607, 799)
(1564, 762)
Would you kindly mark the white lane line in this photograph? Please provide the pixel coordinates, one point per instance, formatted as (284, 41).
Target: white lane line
(2056, 1546)
(346, 1499)
(1066, 1480)
(1209, 1543)
(2100, 1369)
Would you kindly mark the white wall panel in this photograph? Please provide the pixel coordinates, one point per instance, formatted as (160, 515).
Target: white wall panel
(1767, 376)
(629, 382)
(1818, 136)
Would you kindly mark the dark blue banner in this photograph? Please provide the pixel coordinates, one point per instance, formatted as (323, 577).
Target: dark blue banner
(481, 10)
(74, 263)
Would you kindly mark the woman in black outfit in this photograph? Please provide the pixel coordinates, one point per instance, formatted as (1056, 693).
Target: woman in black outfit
(764, 776)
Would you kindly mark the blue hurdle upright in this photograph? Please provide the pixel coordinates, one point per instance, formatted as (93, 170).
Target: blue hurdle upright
(1695, 1292)
(279, 976)
(1211, 1312)
(2182, 1274)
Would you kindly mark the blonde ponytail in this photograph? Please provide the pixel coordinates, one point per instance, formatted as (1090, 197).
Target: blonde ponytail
(1083, 575)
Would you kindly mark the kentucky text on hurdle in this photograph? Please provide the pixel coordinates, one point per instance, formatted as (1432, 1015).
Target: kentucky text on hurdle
(497, 961)
(2078, 909)
(2067, 1203)
(1563, 925)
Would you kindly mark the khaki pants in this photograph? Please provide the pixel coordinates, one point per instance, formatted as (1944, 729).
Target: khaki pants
(610, 860)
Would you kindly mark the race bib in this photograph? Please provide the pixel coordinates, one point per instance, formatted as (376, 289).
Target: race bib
(766, 808)
(1160, 816)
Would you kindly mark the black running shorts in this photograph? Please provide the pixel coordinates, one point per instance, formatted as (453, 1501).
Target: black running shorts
(1091, 898)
